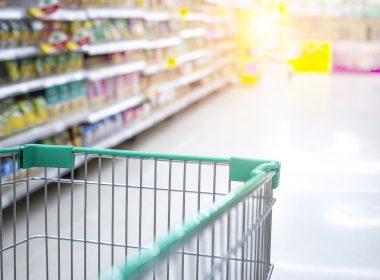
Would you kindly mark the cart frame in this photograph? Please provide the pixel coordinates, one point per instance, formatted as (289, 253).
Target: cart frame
(253, 174)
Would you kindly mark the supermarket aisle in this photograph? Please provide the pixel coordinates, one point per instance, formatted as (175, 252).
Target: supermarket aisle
(325, 130)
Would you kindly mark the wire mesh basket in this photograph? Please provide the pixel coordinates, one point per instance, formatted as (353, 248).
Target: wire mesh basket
(133, 215)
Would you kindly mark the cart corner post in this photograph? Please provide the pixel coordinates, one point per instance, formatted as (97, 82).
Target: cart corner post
(36, 155)
(242, 169)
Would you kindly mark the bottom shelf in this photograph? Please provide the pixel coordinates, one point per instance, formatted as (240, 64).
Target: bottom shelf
(130, 131)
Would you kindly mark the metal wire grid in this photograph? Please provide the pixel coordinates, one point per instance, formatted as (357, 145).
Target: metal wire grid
(88, 222)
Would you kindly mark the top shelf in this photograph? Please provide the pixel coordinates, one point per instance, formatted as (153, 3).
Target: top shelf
(99, 13)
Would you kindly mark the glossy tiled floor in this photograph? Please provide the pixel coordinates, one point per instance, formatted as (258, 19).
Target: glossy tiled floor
(326, 131)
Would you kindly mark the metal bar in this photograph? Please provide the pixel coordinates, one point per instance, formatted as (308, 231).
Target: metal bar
(85, 219)
(213, 226)
(236, 238)
(183, 218)
(59, 223)
(113, 211)
(243, 231)
(228, 235)
(198, 208)
(126, 206)
(154, 209)
(140, 203)
(247, 243)
(1, 226)
(14, 217)
(106, 184)
(46, 228)
(27, 223)
(72, 220)
(99, 207)
(122, 245)
(251, 255)
(169, 208)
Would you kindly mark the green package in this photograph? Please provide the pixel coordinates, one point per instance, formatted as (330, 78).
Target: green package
(12, 70)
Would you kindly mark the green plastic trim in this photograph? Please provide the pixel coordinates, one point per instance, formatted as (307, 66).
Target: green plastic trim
(241, 169)
(35, 155)
(181, 234)
(148, 155)
(10, 150)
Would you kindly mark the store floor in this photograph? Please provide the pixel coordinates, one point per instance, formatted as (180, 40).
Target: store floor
(326, 131)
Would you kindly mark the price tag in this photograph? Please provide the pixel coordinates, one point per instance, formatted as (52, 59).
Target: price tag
(248, 79)
(171, 62)
(183, 12)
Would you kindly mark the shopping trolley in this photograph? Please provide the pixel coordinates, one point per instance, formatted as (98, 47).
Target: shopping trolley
(134, 215)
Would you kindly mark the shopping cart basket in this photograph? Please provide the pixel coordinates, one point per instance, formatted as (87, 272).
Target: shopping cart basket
(134, 215)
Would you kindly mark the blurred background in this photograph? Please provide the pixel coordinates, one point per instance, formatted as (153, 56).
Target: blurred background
(297, 81)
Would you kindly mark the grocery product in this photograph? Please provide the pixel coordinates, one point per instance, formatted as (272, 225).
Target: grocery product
(40, 66)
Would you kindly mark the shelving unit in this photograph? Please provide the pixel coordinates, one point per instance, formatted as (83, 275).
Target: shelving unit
(19, 52)
(115, 70)
(206, 77)
(112, 47)
(19, 88)
(129, 132)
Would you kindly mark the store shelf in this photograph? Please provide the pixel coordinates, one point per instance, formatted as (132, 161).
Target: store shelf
(197, 17)
(94, 13)
(155, 68)
(157, 16)
(182, 81)
(58, 126)
(43, 131)
(130, 131)
(190, 56)
(19, 52)
(115, 108)
(115, 70)
(36, 84)
(68, 15)
(186, 57)
(159, 115)
(12, 13)
(163, 43)
(192, 33)
(117, 46)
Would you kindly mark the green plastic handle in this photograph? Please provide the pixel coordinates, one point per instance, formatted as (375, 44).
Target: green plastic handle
(37, 155)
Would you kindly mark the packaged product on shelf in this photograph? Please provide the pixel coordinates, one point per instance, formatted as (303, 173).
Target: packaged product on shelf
(40, 66)
(76, 136)
(29, 115)
(136, 27)
(64, 98)
(97, 92)
(52, 99)
(48, 65)
(4, 117)
(12, 71)
(40, 108)
(27, 69)
(78, 98)
(16, 121)
(8, 169)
